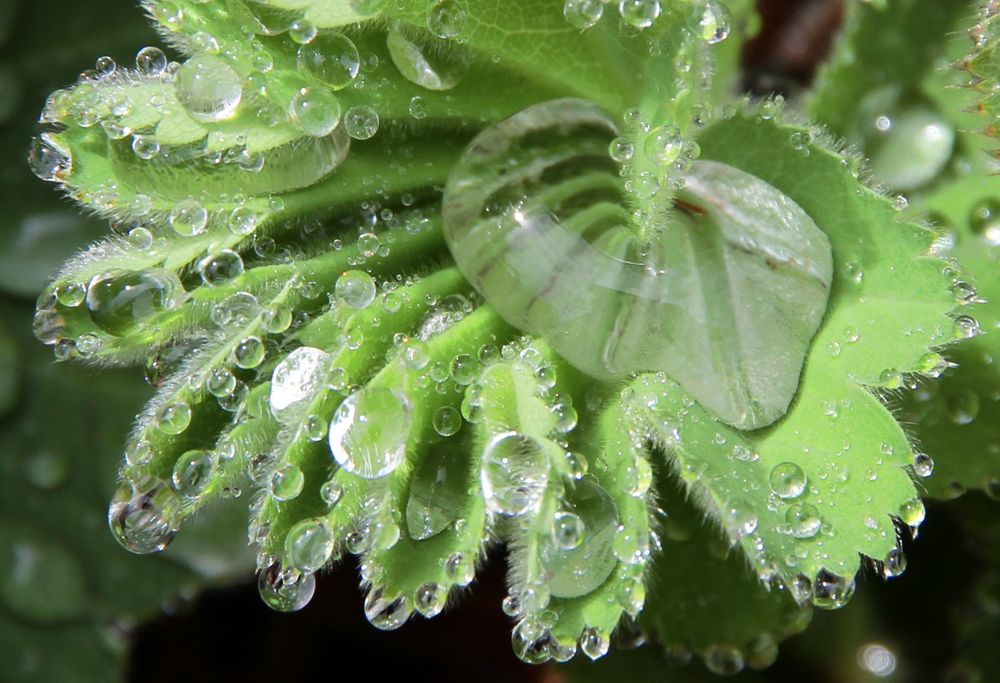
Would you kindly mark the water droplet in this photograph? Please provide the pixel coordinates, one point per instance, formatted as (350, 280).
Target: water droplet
(593, 643)
(287, 482)
(638, 477)
(209, 88)
(460, 568)
(583, 14)
(331, 492)
(966, 327)
(788, 480)
(144, 516)
(220, 268)
(309, 545)
(285, 590)
(514, 474)
(446, 18)
(332, 58)
(639, 13)
(249, 352)
(567, 530)
(923, 465)
(295, 380)
(579, 556)
(369, 431)
(193, 472)
(302, 31)
(438, 490)
(831, 591)
(894, 564)
(715, 24)
(151, 62)
(912, 512)
(431, 63)
(173, 418)
(49, 159)
(447, 421)
(355, 288)
(316, 111)
(621, 149)
(386, 612)
(220, 382)
(361, 122)
(188, 217)
(430, 599)
(803, 520)
(117, 300)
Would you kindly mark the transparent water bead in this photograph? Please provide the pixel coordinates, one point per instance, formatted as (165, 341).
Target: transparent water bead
(309, 545)
(514, 472)
(431, 63)
(209, 88)
(295, 380)
(437, 493)
(332, 58)
(369, 431)
(193, 472)
(386, 612)
(144, 516)
(580, 556)
(285, 590)
(117, 300)
(583, 14)
(788, 480)
(316, 110)
(361, 122)
(48, 159)
(536, 216)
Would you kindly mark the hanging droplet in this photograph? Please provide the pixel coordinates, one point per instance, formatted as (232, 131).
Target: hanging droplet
(309, 545)
(515, 470)
(49, 159)
(593, 643)
(831, 591)
(430, 599)
(144, 516)
(209, 88)
(356, 289)
(894, 564)
(369, 431)
(386, 612)
(715, 22)
(285, 590)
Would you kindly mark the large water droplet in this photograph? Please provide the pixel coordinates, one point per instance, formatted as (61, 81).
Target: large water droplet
(536, 216)
(386, 612)
(209, 88)
(368, 432)
(831, 591)
(437, 492)
(295, 379)
(580, 556)
(285, 590)
(48, 159)
(316, 110)
(429, 62)
(514, 474)
(332, 58)
(193, 472)
(117, 300)
(144, 516)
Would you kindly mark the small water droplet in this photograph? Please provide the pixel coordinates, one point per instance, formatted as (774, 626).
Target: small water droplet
(369, 431)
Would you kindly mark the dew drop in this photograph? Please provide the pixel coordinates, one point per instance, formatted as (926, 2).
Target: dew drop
(431, 63)
(446, 18)
(583, 14)
(593, 643)
(639, 13)
(355, 288)
(831, 591)
(285, 590)
(173, 418)
(332, 58)
(316, 111)
(209, 88)
(787, 480)
(49, 159)
(430, 599)
(369, 431)
(361, 122)
(803, 520)
(188, 217)
(144, 516)
(295, 379)
(151, 62)
(220, 268)
(193, 472)
(286, 482)
(309, 545)
(514, 473)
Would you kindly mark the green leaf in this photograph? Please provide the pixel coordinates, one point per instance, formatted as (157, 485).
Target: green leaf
(802, 498)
